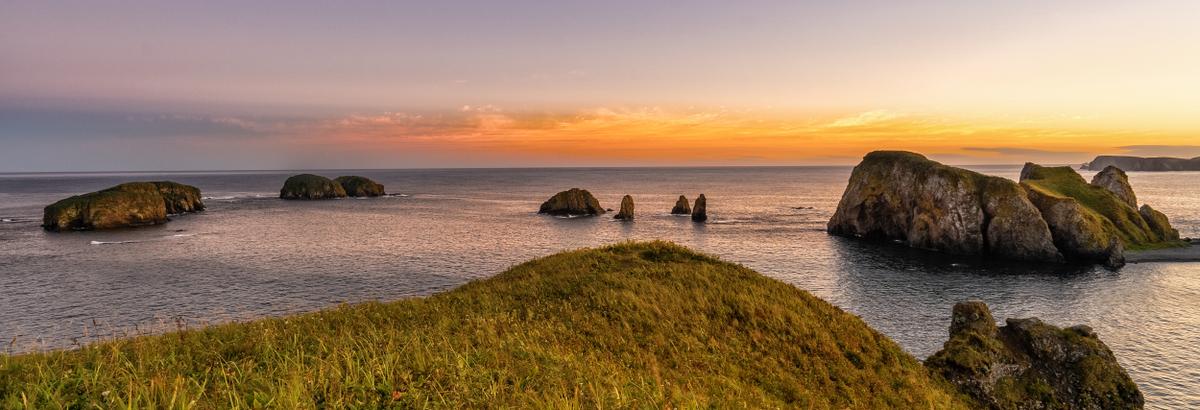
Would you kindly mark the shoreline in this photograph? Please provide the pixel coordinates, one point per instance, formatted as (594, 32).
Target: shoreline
(1190, 253)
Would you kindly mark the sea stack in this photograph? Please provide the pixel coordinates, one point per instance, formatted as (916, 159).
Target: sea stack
(700, 211)
(626, 209)
(357, 186)
(1030, 364)
(309, 186)
(574, 201)
(125, 205)
(681, 207)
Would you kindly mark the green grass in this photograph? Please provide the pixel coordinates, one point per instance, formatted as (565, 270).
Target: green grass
(1114, 214)
(629, 325)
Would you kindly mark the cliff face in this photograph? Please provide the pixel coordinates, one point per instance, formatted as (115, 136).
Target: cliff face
(125, 205)
(1028, 364)
(1143, 164)
(904, 196)
(1053, 215)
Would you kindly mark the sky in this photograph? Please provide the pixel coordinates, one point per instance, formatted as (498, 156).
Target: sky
(213, 85)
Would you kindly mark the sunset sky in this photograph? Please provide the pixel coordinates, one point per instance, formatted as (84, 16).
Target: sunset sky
(157, 85)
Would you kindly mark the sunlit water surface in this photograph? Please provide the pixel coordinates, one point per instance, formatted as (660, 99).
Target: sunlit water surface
(251, 255)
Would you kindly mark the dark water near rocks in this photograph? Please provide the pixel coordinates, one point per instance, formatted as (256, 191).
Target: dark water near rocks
(251, 255)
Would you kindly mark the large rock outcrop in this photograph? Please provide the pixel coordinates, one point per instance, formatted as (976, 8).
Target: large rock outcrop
(125, 205)
(1028, 364)
(626, 212)
(681, 206)
(902, 196)
(1128, 163)
(1097, 221)
(700, 211)
(357, 186)
(1114, 180)
(309, 186)
(574, 201)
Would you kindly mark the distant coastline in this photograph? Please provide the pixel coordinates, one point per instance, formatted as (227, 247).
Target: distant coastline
(1143, 164)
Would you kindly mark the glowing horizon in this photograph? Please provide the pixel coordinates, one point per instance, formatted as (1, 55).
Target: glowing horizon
(157, 86)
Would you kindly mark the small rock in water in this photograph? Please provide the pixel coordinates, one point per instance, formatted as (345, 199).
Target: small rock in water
(700, 211)
(626, 209)
(681, 207)
(574, 201)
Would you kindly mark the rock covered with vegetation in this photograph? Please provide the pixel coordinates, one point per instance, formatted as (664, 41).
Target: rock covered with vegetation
(1089, 221)
(903, 196)
(309, 186)
(626, 212)
(681, 206)
(574, 201)
(125, 205)
(1028, 364)
(633, 325)
(357, 186)
(1156, 164)
(1053, 215)
(700, 211)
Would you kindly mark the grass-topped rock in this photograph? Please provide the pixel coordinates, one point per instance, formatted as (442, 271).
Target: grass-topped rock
(309, 186)
(902, 196)
(357, 186)
(1095, 222)
(634, 325)
(1028, 364)
(125, 205)
(574, 201)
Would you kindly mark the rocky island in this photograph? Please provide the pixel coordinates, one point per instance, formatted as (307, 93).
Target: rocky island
(626, 212)
(574, 201)
(357, 186)
(309, 186)
(125, 205)
(1156, 164)
(681, 207)
(1052, 215)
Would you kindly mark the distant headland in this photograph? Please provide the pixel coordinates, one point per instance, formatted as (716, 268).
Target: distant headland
(1156, 164)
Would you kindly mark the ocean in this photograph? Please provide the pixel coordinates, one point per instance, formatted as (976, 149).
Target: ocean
(252, 255)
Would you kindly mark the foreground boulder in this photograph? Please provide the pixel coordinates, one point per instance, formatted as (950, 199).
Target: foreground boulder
(574, 201)
(681, 207)
(357, 186)
(1028, 364)
(626, 209)
(309, 186)
(700, 211)
(125, 205)
(902, 196)
(1094, 222)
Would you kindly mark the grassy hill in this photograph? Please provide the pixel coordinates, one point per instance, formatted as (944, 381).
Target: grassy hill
(630, 325)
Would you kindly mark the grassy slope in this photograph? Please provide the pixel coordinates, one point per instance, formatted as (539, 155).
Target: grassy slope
(1119, 217)
(630, 325)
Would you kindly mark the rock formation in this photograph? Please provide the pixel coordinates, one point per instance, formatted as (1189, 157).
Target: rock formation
(626, 209)
(572, 202)
(125, 205)
(1027, 364)
(1052, 215)
(360, 186)
(1143, 164)
(700, 211)
(681, 207)
(309, 186)
(1092, 222)
(1114, 180)
(904, 196)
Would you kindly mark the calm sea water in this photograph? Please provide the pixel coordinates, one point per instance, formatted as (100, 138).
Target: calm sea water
(251, 255)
